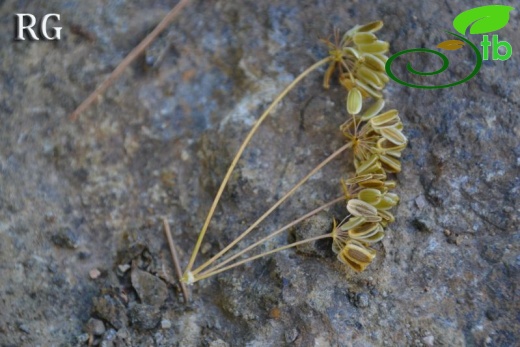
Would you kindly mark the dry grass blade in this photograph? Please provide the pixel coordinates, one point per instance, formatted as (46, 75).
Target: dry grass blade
(175, 258)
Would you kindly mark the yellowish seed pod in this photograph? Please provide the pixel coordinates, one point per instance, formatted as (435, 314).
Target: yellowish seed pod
(384, 145)
(369, 90)
(356, 255)
(382, 76)
(352, 223)
(376, 47)
(376, 237)
(395, 154)
(363, 166)
(393, 196)
(390, 164)
(374, 168)
(370, 195)
(389, 118)
(352, 52)
(393, 135)
(357, 179)
(364, 38)
(370, 27)
(365, 230)
(369, 77)
(381, 57)
(354, 101)
(378, 184)
(360, 208)
(387, 216)
(373, 110)
(390, 184)
(373, 62)
(386, 203)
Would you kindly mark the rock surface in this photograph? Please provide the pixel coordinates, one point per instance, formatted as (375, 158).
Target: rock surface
(159, 142)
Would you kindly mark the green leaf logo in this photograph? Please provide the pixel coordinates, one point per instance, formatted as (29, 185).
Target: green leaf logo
(482, 20)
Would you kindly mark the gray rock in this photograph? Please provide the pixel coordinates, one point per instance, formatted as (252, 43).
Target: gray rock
(151, 290)
(361, 300)
(291, 335)
(95, 327)
(83, 338)
(144, 317)
(65, 238)
(166, 324)
(314, 226)
(424, 224)
(110, 310)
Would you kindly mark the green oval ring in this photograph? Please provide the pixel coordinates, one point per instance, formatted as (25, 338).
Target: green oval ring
(445, 65)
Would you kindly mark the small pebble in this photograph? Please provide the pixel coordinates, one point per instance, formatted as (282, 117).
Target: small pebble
(95, 327)
(65, 238)
(144, 317)
(428, 340)
(361, 300)
(123, 268)
(110, 310)
(423, 224)
(151, 289)
(122, 333)
(83, 338)
(206, 247)
(291, 335)
(166, 324)
(94, 273)
(24, 328)
(108, 338)
(420, 202)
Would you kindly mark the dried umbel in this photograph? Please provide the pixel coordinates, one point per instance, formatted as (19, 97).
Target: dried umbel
(360, 60)
(376, 140)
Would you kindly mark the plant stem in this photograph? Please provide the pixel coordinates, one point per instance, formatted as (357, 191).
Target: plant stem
(129, 59)
(239, 154)
(175, 258)
(211, 273)
(274, 207)
(277, 232)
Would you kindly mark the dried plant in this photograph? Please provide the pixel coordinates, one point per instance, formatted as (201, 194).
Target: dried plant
(376, 140)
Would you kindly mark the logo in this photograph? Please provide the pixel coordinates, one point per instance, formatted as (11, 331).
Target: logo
(24, 23)
(479, 20)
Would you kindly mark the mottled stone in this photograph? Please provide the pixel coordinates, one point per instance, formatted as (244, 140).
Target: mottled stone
(316, 225)
(95, 327)
(110, 310)
(65, 238)
(144, 317)
(151, 290)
